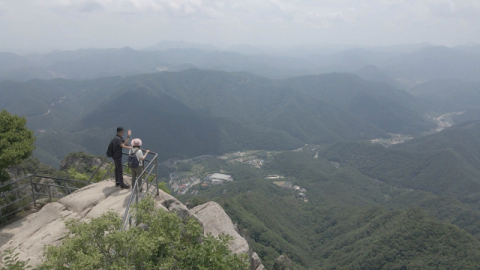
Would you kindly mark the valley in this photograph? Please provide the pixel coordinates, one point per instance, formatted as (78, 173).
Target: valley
(445, 120)
(331, 170)
(338, 193)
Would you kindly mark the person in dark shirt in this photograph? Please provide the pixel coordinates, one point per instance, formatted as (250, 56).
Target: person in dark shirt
(118, 145)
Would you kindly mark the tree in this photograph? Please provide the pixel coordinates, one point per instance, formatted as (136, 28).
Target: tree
(283, 263)
(16, 142)
(164, 241)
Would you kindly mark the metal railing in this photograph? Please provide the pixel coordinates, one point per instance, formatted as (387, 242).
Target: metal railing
(35, 189)
(145, 183)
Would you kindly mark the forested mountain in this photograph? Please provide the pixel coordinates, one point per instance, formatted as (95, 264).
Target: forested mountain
(196, 112)
(351, 220)
(388, 108)
(446, 163)
(448, 95)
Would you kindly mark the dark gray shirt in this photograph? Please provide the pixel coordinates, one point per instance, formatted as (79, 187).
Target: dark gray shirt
(117, 148)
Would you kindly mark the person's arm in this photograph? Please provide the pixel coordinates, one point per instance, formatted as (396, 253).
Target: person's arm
(129, 132)
(125, 146)
(125, 143)
(145, 156)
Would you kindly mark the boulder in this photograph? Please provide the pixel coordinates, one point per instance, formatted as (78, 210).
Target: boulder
(255, 262)
(217, 222)
(117, 202)
(84, 199)
(30, 234)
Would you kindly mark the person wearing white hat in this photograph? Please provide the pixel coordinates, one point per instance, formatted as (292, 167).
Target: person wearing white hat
(136, 144)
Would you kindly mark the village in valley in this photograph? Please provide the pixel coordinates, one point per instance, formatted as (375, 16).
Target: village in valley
(191, 174)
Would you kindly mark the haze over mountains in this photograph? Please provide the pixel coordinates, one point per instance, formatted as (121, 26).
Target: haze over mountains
(401, 66)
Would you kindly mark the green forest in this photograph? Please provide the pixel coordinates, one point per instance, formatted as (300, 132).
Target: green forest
(354, 219)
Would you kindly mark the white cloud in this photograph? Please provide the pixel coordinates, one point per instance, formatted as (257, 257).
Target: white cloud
(95, 23)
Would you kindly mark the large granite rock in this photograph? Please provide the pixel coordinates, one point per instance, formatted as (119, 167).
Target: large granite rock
(255, 262)
(216, 221)
(47, 226)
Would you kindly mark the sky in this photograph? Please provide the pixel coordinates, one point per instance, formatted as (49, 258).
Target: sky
(44, 25)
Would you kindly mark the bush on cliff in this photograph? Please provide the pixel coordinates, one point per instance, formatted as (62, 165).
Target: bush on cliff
(164, 242)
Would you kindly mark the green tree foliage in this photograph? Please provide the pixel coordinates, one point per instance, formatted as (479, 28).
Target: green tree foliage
(283, 263)
(12, 262)
(350, 221)
(16, 141)
(168, 243)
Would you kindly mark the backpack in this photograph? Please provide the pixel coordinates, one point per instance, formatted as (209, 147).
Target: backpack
(133, 160)
(110, 151)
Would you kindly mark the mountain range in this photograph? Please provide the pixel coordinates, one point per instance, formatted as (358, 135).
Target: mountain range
(402, 67)
(197, 112)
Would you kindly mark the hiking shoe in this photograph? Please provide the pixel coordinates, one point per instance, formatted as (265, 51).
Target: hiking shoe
(124, 186)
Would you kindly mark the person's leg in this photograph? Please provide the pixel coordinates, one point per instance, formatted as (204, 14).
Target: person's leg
(118, 172)
(140, 182)
(134, 176)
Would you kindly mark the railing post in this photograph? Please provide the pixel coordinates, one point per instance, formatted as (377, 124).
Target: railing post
(67, 191)
(156, 174)
(91, 177)
(33, 193)
(108, 170)
(16, 198)
(49, 192)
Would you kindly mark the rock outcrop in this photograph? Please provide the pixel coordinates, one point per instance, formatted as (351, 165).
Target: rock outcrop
(217, 222)
(47, 226)
(80, 161)
(255, 262)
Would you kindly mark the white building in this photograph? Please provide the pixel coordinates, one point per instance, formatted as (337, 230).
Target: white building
(221, 177)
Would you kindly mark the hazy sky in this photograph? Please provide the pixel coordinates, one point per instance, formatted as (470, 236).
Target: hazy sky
(40, 25)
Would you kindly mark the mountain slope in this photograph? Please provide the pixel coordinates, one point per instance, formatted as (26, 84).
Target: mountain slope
(389, 109)
(197, 112)
(350, 220)
(445, 163)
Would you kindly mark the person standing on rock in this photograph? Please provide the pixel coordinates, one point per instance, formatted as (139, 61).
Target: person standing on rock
(136, 144)
(118, 144)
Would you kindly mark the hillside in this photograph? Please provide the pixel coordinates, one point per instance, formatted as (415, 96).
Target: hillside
(444, 96)
(348, 218)
(390, 109)
(445, 163)
(196, 112)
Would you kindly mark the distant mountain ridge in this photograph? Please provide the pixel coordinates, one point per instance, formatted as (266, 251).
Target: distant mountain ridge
(399, 67)
(196, 112)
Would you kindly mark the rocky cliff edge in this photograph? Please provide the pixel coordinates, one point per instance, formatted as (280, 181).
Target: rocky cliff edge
(46, 227)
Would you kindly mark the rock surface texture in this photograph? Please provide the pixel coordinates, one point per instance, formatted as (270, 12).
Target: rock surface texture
(217, 222)
(46, 227)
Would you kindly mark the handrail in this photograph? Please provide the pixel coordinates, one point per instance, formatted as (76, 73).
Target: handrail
(35, 194)
(15, 180)
(136, 196)
(34, 190)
